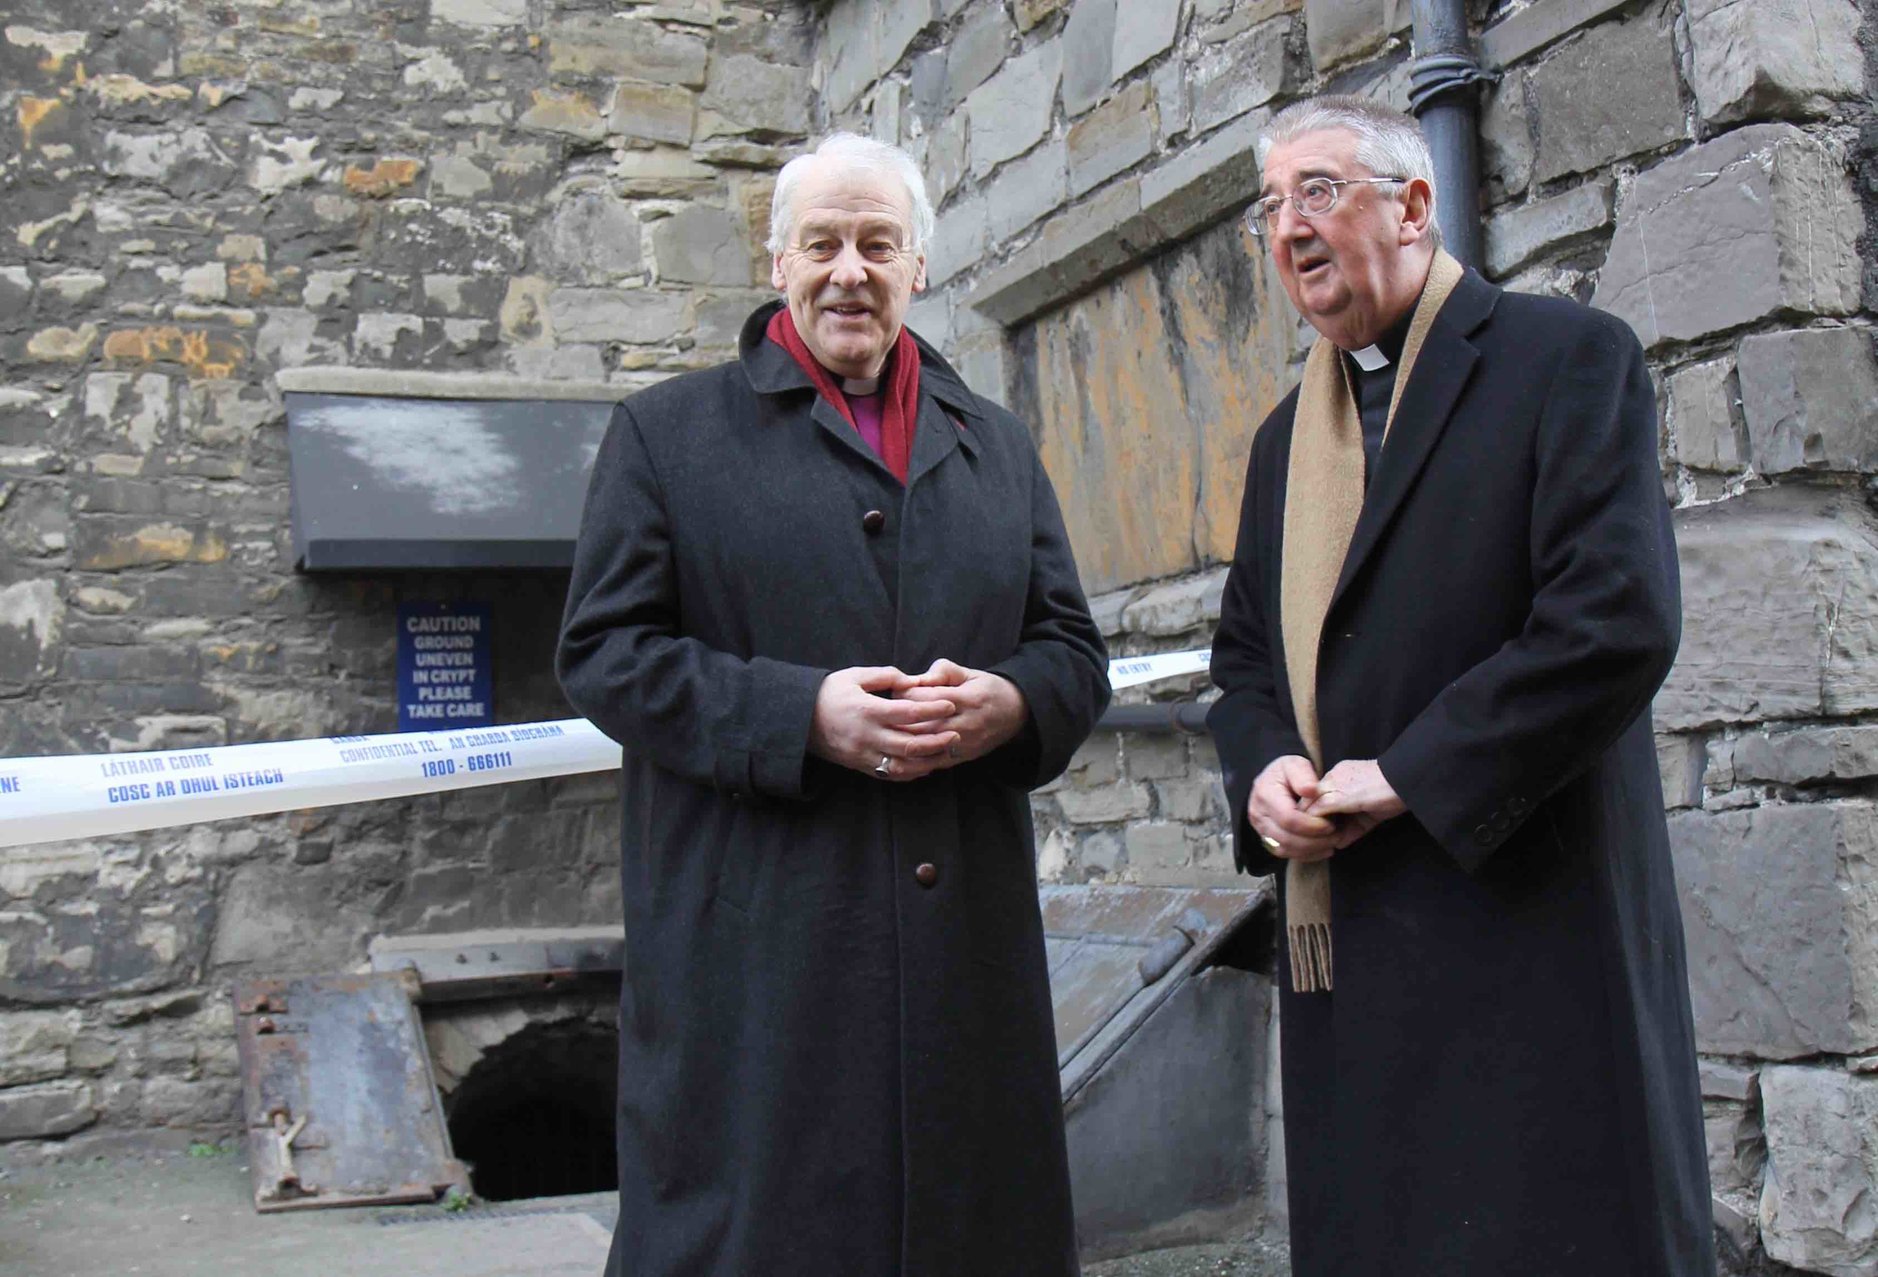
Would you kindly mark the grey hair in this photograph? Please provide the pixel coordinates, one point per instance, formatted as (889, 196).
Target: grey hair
(853, 151)
(1388, 143)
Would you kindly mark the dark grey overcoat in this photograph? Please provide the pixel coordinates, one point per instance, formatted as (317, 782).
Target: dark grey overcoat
(1503, 1080)
(826, 1067)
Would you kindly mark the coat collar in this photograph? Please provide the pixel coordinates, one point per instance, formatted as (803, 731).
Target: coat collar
(1441, 371)
(772, 371)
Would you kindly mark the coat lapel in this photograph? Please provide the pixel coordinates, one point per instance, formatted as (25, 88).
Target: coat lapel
(1435, 383)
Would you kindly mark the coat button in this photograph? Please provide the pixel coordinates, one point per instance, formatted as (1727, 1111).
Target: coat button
(1483, 836)
(926, 875)
(872, 522)
(1516, 805)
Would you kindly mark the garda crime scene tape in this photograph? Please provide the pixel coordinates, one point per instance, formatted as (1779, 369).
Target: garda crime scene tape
(93, 795)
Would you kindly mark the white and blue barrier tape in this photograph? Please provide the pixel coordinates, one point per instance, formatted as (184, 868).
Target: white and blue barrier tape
(48, 799)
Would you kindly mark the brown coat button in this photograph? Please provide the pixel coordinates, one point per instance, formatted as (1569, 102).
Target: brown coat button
(926, 875)
(873, 521)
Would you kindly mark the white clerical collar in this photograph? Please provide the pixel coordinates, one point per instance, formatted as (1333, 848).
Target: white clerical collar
(860, 386)
(1370, 358)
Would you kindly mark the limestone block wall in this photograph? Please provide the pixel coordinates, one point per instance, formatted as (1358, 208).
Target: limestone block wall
(1703, 168)
(193, 197)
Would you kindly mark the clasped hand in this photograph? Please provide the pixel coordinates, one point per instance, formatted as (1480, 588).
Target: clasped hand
(1302, 816)
(918, 723)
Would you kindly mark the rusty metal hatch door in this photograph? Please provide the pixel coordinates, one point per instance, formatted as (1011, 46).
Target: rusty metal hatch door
(1117, 952)
(338, 1098)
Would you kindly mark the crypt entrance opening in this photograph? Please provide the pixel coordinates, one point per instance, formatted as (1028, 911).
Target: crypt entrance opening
(534, 1117)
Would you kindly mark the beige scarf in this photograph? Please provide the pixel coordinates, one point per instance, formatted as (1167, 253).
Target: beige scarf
(1323, 496)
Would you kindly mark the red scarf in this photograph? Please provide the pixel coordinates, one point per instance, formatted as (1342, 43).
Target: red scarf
(900, 406)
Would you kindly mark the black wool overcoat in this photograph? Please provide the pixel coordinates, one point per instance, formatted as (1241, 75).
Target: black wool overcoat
(828, 1068)
(1503, 1079)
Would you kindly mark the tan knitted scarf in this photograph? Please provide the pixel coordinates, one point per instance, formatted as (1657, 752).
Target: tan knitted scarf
(1323, 496)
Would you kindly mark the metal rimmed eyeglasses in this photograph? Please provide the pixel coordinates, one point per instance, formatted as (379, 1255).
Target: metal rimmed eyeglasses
(1314, 197)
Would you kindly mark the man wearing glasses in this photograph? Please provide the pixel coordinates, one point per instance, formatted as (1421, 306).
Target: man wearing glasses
(1454, 594)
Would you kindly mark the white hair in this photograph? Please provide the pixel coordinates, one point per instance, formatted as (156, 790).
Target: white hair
(851, 150)
(1388, 143)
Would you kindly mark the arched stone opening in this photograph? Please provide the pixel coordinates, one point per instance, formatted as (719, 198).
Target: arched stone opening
(531, 1102)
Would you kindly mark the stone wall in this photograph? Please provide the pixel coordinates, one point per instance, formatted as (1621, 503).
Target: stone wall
(199, 195)
(1705, 169)
(194, 197)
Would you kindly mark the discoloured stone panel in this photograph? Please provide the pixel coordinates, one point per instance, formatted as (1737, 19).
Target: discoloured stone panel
(1146, 394)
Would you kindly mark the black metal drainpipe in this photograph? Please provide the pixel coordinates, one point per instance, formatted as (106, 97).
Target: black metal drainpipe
(1443, 82)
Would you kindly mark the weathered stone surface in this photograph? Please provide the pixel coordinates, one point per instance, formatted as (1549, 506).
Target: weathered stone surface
(1010, 112)
(1780, 611)
(1780, 906)
(1247, 71)
(1115, 136)
(1706, 431)
(1173, 104)
(36, 1045)
(1026, 189)
(1773, 57)
(1534, 27)
(1338, 30)
(1681, 760)
(961, 238)
(655, 112)
(1105, 805)
(757, 96)
(590, 237)
(1144, 30)
(1807, 755)
(1029, 13)
(1759, 220)
(1723, 1081)
(1518, 235)
(633, 50)
(1609, 93)
(1822, 1170)
(1154, 846)
(1087, 43)
(701, 245)
(1177, 607)
(1506, 145)
(480, 13)
(1810, 398)
(974, 54)
(1190, 190)
(862, 41)
(571, 112)
(607, 314)
(46, 1110)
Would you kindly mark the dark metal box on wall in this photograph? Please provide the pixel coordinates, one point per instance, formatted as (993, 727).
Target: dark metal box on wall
(338, 1097)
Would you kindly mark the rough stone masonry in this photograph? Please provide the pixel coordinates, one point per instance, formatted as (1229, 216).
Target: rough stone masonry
(197, 196)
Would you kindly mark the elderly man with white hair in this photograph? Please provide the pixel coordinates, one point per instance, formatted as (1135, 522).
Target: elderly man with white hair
(824, 600)
(1453, 596)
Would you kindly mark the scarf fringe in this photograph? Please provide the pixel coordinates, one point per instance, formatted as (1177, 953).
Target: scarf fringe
(1310, 956)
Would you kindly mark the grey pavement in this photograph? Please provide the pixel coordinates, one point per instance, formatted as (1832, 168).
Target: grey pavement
(161, 1212)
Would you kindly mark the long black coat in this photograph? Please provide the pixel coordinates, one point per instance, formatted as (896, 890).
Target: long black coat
(826, 1068)
(1503, 1080)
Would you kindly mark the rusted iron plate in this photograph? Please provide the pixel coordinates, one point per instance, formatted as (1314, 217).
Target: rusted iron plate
(338, 1098)
(478, 964)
